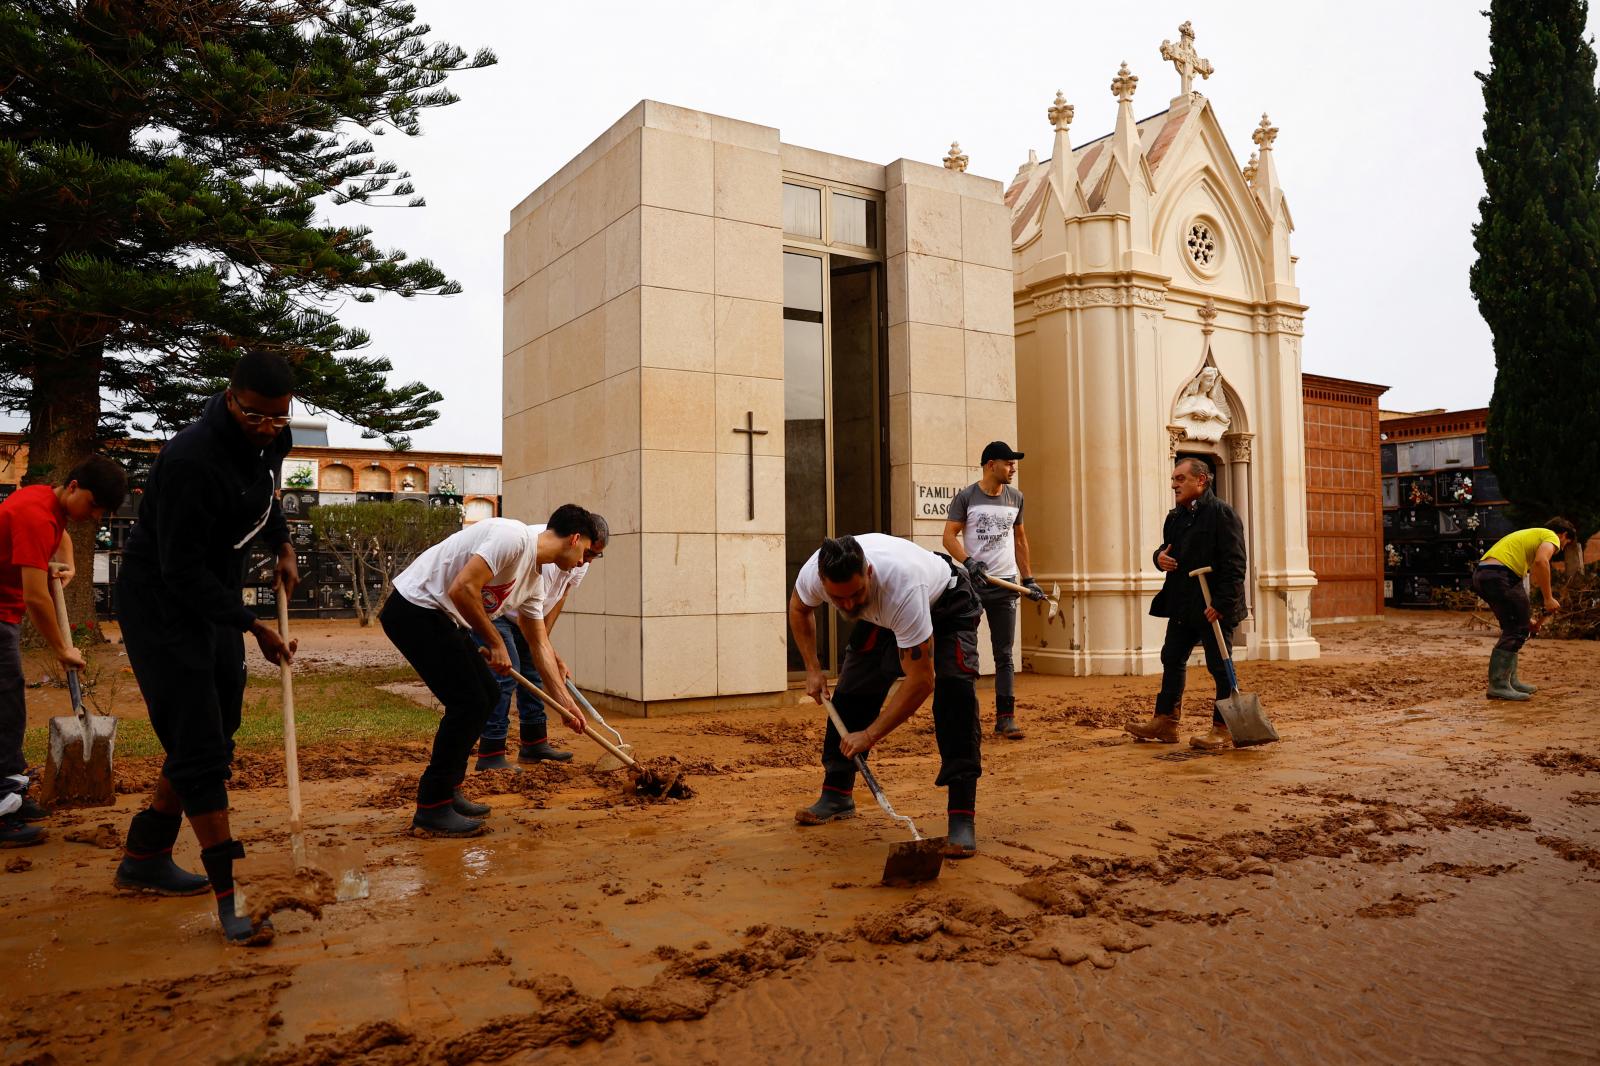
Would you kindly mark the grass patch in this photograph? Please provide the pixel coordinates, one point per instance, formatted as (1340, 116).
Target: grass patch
(329, 707)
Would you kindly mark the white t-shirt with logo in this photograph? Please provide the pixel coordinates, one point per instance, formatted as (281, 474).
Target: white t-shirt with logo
(509, 547)
(989, 524)
(907, 580)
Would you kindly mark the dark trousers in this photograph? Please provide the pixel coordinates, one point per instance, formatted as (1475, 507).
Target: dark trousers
(1505, 594)
(532, 727)
(13, 709)
(446, 657)
(1182, 636)
(871, 665)
(1000, 605)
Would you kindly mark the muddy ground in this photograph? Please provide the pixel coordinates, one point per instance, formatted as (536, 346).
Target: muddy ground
(1413, 874)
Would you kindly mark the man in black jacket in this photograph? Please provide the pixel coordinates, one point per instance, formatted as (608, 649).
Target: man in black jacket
(1200, 531)
(212, 490)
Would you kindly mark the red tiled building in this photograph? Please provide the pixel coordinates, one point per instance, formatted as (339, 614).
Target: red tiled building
(1344, 497)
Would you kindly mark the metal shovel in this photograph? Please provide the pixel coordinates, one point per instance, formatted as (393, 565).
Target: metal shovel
(1247, 722)
(919, 859)
(607, 761)
(77, 768)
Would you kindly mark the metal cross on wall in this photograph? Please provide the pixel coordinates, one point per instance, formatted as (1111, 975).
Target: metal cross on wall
(751, 433)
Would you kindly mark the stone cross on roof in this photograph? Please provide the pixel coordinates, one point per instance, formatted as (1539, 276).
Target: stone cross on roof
(1124, 84)
(1265, 133)
(955, 159)
(1060, 113)
(1183, 56)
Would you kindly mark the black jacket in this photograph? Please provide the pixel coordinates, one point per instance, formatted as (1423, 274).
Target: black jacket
(1211, 535)
(209, 494)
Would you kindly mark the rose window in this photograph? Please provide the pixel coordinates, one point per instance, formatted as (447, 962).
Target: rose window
(1202, 244)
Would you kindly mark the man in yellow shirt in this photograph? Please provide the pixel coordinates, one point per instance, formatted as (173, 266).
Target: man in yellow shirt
(1498, 579)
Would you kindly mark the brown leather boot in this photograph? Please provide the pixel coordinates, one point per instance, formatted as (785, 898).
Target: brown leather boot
(1215, 740)
(1161, 728)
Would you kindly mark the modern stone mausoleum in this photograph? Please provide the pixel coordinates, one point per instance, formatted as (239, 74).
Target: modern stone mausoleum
(731, 347)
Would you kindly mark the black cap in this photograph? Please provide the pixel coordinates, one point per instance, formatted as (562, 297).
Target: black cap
(998, 449)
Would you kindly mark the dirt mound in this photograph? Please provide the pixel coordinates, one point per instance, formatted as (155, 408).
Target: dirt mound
(1584, 799)
(691, 983)
(1476, 812)
(537, 782)
(920, 919)
(18, 865)
(104, 835)
(655, 780)
(1572, 851)
(1091, 941)
(307, 889)
(318, 762)
(1566, 761)
(1398, 905)
(1468, 870)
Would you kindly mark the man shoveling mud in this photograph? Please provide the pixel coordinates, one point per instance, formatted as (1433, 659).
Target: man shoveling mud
(445, 598)
(1200, 531)
(532, 733)
(916, 614)
(210, 493)
(1498, 578)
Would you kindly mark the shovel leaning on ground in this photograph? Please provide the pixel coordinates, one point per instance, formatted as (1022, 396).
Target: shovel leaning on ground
(77, 768)
(1247, 722)
(1053, 599)
(607, 761)
(623, 758)
(918, 859)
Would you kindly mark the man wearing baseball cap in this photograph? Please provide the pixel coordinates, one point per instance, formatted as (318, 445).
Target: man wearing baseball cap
(983, 529)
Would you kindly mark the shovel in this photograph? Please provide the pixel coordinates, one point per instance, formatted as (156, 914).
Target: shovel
(77, 768)
(919, 859)
(623, 758)
(1247, 722)
(1053, 599)
(607, 761)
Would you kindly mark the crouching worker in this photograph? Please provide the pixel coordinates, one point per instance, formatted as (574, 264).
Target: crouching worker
(210, 493)
(450, 595)
(916, 614)
(1498, 578)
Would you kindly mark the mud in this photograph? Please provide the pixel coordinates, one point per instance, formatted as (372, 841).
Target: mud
(256, 770)
(1573, 851)
(655, 780)
(308, 889)
(104, 835)
(1397, 906)
(1567, 761)
(18, 865)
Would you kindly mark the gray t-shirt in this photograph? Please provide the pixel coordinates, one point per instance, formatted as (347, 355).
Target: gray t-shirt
(988, 522)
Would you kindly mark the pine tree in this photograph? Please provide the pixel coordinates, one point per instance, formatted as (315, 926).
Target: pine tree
(1537, 277)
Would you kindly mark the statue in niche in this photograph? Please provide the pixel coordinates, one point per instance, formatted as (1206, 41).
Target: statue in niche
(408, 484)
(1202, 410)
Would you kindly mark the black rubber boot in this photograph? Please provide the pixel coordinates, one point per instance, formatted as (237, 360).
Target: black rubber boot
(236, 928)
(961, 839)
(835, 803)
(15, 833)
(441, 819)
(147, 864)
(541, 751)
(1005, 725)
(31, 811)
(467, 808)
(492, 756)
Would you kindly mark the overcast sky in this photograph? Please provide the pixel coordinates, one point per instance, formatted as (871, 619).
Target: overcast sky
(1376, 102)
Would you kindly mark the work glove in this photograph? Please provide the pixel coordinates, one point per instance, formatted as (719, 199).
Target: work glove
(1034, 591)
(977, 571)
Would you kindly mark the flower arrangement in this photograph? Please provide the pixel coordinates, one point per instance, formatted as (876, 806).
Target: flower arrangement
(300, 478)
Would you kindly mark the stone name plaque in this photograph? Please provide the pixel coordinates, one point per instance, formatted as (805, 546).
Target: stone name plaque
(933, 501)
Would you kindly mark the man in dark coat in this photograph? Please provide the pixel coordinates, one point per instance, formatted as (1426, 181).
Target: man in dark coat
(1200, 531)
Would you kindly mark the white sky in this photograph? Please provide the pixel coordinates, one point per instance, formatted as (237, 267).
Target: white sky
(1377, 105)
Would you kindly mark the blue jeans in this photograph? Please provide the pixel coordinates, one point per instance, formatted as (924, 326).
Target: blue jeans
(530, 708)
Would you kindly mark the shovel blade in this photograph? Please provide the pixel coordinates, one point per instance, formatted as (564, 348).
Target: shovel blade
(1247, 722)
(608, 762)
(914, 862)
(77, 768)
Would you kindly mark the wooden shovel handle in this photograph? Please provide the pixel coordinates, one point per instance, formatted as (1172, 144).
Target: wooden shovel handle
(627, 760)
(1216, 626)
(59, 595)
(291, 745)
(1001, 582)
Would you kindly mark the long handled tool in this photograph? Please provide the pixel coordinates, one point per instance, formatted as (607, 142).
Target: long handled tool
(1053, 598)
(1247, 722)
(77, 769)
(919, 859)
(616, 752)
(607, 761)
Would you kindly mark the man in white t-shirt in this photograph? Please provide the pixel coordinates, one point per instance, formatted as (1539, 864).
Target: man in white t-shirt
(983, 529)
(534, 744)
(916, 614)
(448, 595)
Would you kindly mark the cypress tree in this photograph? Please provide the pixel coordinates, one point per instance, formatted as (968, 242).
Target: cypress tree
(1537, 276)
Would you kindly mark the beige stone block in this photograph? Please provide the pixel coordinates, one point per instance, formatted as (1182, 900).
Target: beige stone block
(743, 134)
(677, 250)
(677, 491)
(677, 410)
(900, 500)
(986, 234)
(564, 235)
(513, 391)
(675, 172)
(677, 329)
(622, 412)
(587, 337)
(527, 248)
(589, 275)
(531, 432)
(622, 255)
(557, 415)
(620, 494)
(589, 657)
(589, 423)
(589, 202)
(899, 429)
(622, 333)
(622, 173)
(565, 642)
(678, 573)
(733, 495)
(674, 119)
(752, 653)
(749, 261)
(989, 420)
(559, 485)
(520, 495)
(749, 337)
(513, 461)
(763, 398)
(749, 185)
(621, 562)
(624, 658)
(936, 359)
(991, 366)
(938, 429)
(932, 222)
(896, 282)
(829, 167)
(536, 373)
(899, 356)
(561, 292)
(986, 298)
(933, 290)
(680, 656)
(750, 573)
(894, 221)
(524, 314)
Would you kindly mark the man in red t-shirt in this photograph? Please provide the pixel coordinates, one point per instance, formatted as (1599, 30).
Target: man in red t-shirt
(33, 523)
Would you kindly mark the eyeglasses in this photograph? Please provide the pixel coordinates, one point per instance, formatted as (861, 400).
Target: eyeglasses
(254, 419)
(590, 554)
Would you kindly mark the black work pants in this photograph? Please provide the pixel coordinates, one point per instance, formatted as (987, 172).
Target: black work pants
(1182, 636)
(446, 657)
(1506, 595)
(13, 709)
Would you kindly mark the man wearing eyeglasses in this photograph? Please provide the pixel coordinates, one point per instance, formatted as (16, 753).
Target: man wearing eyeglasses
(211, 492)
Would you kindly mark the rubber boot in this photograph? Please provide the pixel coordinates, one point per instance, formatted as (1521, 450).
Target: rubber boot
(441, 819)
(835, 804)
(1216, 740)
(467, 808)
(492, 756)
(236, 928)
(1161, 729)
(1005, 725)
(147, 864)
(1516, 682)
(1501, 663)
(541, 751)
(961, 836)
